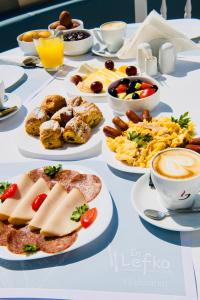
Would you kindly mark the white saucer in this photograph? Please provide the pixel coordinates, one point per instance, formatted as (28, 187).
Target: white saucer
(10, 74)
(96, 49)
(144, 197)
(12, 100)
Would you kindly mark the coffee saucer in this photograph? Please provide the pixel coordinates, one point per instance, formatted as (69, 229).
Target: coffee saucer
(100, 50)
(145, 197)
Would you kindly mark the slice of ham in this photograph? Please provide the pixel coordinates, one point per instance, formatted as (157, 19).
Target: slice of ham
(5, 230)
(89, 185)
(17, 238)
(55, 245)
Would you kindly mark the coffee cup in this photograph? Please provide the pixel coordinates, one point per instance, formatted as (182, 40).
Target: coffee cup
(111, 34)
(2, 93)
(175, 173)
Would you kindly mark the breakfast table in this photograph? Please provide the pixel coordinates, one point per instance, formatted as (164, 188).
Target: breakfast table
(132, 259)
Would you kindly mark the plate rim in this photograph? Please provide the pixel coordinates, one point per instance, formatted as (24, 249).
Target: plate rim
(18, 98)
(20, 70)
(107, 200)
(137, 184)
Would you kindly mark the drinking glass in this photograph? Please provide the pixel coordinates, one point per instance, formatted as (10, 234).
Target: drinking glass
(51, 52)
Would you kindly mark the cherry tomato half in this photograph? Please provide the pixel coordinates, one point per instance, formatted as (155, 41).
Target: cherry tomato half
(145, 85)
(9, 192)
(88, 217)
(147, 93)
(121, 88)
(38, 201)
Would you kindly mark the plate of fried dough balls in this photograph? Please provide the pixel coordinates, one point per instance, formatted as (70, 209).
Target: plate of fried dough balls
(62, 128)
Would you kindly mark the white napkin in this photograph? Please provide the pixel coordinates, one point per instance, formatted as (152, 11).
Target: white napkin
(155, 27)
(17, 60)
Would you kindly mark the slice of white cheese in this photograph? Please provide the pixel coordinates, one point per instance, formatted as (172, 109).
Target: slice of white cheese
(23, 186)
(53, 200)
(23, 213)
(60, 223)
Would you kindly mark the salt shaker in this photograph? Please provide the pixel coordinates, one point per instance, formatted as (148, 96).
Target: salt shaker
(151, 66)
(143, 51)
(167, 58)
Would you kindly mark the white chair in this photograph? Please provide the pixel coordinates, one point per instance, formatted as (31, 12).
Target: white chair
(141, 9)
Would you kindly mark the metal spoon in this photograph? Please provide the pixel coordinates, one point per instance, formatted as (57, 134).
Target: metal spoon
(160, 215)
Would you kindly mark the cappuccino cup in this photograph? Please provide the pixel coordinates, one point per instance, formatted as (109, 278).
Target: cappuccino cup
(175, 173)
(111, 34)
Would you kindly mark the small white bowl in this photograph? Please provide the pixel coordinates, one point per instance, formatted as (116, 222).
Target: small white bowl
(79, 47)
(81, 26)
(28, 47)
(121, 106)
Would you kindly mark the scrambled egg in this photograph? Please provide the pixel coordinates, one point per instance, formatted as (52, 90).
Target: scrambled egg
(161, 133)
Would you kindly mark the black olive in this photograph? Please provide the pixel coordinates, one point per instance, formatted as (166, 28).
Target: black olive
(113, 92)
(135, 96)
(155, 87)
(125, 81)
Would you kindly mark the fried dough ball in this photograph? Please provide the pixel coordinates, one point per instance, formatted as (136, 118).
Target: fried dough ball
(53, 103)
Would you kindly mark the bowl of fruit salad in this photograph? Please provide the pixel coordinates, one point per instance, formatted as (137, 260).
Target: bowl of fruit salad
(133, 93)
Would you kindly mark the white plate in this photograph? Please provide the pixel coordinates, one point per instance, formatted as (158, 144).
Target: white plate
(12, 100)
(104, 206)
(73, 91)
(143, 197)
(10, 75)
(30, 146)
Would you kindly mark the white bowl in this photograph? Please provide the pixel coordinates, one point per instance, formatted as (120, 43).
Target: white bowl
(28, 47)
(81, 26)
(79, 47)
(121, 106)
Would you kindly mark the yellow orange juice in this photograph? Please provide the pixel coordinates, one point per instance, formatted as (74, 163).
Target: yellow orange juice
(50, 51)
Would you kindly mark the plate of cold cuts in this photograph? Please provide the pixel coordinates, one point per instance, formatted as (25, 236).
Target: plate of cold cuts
(52, 210)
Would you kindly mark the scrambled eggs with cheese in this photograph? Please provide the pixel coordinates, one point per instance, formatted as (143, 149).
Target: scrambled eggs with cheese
(141, 141)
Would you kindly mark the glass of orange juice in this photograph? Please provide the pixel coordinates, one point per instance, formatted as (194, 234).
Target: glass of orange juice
(51, 52)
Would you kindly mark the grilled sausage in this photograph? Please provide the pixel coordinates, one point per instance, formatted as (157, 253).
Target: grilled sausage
(195, 148)
(111, 132)
(120, 124)
(195, 141)
(133, 116)
(146, 115)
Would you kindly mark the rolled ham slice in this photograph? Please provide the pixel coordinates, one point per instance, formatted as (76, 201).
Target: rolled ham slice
(9, 205)
(53, 200)
(23, 213)
(60, 223)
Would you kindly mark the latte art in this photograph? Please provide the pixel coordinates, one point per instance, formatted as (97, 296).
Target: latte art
(177, 164)
(112, 25)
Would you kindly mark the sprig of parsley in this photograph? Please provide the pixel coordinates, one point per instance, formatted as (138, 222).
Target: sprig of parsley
(183, 120)
(3, 186)
(78, 212)
(51, 171)
(30, 248)
(138, 138)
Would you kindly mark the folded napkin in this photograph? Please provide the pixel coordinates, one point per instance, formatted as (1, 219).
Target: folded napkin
(153, 28)
(17, 60)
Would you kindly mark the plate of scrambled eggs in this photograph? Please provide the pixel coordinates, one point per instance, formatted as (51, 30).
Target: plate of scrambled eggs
(133, 150)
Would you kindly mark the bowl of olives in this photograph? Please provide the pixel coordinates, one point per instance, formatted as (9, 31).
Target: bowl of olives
(133, 93)
(77, 42)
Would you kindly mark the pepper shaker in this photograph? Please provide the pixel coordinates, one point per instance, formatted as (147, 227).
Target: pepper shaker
(143, 51)
(151, 68)
(167, 58)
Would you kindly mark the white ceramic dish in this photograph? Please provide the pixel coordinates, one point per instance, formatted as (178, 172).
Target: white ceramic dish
(143, 197)
(121, 106)
(75, 48)
(31, 147)
(28, 47)
(12, 100)
(81, 26)
(104, 206)
(10, 75)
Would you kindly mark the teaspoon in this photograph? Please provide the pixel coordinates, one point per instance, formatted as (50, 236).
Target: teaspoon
(160, 215)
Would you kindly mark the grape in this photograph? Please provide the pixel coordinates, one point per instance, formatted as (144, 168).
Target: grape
(125, 81)
(135, 96)
(109, 64)
(113, 92)
(96, 87)
(76, 79)
(131, 70)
